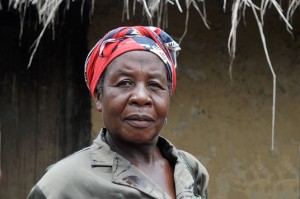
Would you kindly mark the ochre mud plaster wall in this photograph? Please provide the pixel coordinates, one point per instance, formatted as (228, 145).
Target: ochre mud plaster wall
(227, 125)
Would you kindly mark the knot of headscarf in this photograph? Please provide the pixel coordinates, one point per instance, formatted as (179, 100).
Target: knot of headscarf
(124, 39)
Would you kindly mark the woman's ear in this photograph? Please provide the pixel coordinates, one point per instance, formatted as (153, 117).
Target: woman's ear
(98, 100)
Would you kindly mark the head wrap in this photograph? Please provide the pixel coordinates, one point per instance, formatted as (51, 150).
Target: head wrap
(124, 39)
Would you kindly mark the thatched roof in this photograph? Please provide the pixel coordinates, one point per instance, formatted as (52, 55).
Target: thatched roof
(158, 10)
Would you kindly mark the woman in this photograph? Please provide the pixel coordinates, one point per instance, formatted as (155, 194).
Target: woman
(131, 74)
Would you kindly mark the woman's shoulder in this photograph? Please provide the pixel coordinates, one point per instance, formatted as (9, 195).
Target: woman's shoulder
(192, 160)
(197, 170)
(68, 166)
(73, 161)
(58, 175)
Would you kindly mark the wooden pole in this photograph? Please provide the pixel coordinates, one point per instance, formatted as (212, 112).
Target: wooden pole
(0, 154)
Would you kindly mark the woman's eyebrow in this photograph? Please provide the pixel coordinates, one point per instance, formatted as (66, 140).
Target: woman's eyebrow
(157, 75)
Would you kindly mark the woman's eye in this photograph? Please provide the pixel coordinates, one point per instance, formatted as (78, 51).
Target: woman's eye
(124, 83)
(155, 85)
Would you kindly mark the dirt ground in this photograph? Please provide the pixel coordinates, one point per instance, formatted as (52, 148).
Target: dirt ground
(227, 124)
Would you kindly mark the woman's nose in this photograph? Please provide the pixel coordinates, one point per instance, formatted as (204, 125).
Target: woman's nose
(140, 96)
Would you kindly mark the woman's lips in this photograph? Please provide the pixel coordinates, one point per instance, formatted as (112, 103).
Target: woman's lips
(139, 121)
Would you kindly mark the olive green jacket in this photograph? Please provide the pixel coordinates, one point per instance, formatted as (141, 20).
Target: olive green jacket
(98, 172)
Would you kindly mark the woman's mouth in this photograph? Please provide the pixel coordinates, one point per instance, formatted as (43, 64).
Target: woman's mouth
(139, 121)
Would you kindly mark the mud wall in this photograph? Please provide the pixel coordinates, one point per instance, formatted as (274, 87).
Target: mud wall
(227, 124)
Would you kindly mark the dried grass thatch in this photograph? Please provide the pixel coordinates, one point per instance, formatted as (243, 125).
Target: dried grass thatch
(47, 11)
(158, 9)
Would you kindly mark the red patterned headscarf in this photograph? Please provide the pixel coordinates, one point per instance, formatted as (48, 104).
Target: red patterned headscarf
(124, 39)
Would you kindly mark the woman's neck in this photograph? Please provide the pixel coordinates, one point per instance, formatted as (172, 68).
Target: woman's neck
(137, 154)
(149, 159)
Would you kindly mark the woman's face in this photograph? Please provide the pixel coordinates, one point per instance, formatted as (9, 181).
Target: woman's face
(135, 98)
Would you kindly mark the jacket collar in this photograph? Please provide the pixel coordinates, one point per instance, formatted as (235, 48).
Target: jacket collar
(125, 173)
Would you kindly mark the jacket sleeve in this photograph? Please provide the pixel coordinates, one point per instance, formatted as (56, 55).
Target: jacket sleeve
(36, 193)
(199, 173)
